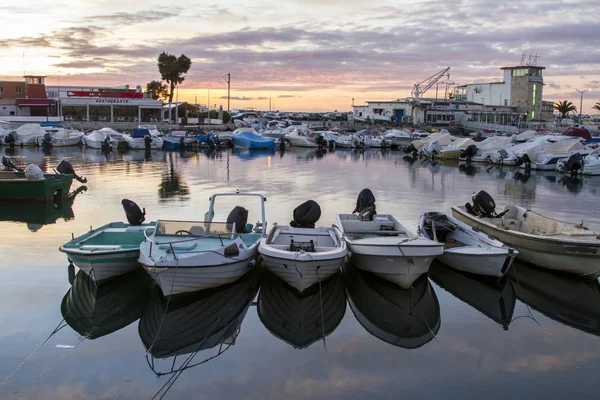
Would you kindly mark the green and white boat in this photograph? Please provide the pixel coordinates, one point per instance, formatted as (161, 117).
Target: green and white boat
(111, 250)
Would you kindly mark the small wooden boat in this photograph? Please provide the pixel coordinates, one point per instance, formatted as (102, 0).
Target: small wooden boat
(112, 249)
(95, 311)
(303, 255)
(569, 300)
(186, 256)
(493, 298)
(408, 318)
(381, 244)
(301, 319)
(540, 240)
(466, 249)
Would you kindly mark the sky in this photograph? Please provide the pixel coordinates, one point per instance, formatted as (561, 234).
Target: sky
(303, 55)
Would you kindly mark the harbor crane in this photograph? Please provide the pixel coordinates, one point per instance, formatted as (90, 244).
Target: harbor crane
(422, 87)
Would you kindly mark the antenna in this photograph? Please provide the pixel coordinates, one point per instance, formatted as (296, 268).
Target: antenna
(23, 63)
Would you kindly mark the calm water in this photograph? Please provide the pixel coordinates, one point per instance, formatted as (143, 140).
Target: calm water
(452, 336)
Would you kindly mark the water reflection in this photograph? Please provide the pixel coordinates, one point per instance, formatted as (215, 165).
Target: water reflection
(188, 324)
(94, 311)
(247, 154)
(571, 301)
(405, 318)
(495, 299)
(172, 184)
(301, 320)
(36, 215)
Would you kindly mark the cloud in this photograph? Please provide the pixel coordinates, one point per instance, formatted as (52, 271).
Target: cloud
(287, 96)
(553, 85)
(136, 17)
(240, 98)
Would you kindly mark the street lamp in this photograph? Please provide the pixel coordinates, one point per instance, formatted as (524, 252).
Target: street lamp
(228, 80)
(581, 101)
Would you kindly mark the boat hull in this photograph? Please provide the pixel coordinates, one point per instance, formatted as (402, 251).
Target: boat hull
(299, 141)
(492, 262)
(302, 274)
(15, 186)
(104, 267)
(401, 270)
(173, 280)
(582, 259)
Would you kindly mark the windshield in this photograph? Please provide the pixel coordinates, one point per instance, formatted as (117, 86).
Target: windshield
(192, 228)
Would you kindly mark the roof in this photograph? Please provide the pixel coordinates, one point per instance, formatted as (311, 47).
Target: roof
(524, 66)
(34, 102)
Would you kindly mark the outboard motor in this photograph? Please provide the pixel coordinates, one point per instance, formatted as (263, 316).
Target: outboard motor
(47, 140)
(524, 159)
(8, 165)
(410, 149)
(10, 139)
(147, 142)
(469, 153)
(64, 167)
(182, 143)
(483, 205)
(321, 141)
(365, 205)
(574, 164)
(239, 216)
(306, 215)
(134, 215)
(106, 146)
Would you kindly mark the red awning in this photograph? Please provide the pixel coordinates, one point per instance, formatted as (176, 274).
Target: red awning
(35, 102)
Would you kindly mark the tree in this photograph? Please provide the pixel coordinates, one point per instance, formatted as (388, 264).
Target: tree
(157, 90)
(596, 106)
(564, 107)
(172, 70)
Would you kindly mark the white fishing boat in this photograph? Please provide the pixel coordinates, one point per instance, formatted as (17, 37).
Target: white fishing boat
(523, 136)
(399, 137)
(24, 135)
(110, 250)
(547, 158)
(578, 163)
(591, 164)
(442, 138)
(372, 139)
(140, 139)
(381, 244)
(512, 155)
(347, 142)
(99, 140)
(540, 240)
(187, 256)
(488, 146)
(300, 254)
(453, 150)
(59, 137)
(300, 137)
(466, 249)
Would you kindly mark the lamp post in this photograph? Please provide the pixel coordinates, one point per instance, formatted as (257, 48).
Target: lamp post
(228, 80)
(581, 101)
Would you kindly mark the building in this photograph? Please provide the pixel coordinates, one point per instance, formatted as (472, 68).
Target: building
(105, 104)
(21, 100)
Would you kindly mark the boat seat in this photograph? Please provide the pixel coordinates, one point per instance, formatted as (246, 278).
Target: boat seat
(197, 230)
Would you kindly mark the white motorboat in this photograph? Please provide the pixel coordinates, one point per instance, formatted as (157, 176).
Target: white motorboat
(303, 255)
(404, 318)
(299, 137)
(187, 256)
(347, 141)
(511, 155)
(140, 139)
(154, 132)
(523, 136)
(591, 164)
(59, 137)
(301, 319)
(372, 139)
(488, 146)
(442, 138)
(25, 135)
(398, 137)
(99, 140)
(5, 128)
(466, 249)
(547, 158)
(540, 240)
(381, 244)
(453, 150)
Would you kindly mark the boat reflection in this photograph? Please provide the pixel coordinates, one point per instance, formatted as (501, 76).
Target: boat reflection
(304, 153)
(495, 299)
(188, 324)
(301, 319)
(405, 318)
(94, 311)
(247, 154)
(172, 184)
(566, 299)
(36, 215)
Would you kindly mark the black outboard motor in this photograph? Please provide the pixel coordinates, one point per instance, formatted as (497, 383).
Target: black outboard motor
(64, 167)
(524, 159)
(574, 164)
(239, 216)
(182, 143)
(106, 146)
(8, 165)
(483, 205)
(134, 215)
(410, 149)
(10, 139)
(365, 205)
(147, 142)
(469, 152)
(306, 215)
(321, 142)
(47, 140)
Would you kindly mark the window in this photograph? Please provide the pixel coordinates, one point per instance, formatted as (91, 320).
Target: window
(1, 89)
(19, 89)
(506, 102)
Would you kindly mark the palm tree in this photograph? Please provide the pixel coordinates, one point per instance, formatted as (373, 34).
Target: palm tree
(596, 106)
(564, 107)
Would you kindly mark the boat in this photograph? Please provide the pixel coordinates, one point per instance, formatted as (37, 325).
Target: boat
(347, 141)
(443, 138)
(493, 298)
(486, 147)
(154, 132)
(5, 128)
(177, 140)
(111, 250)
(374, 139)
(186, 256)
(399, 138)
(99, 140)
(407, 318)
(34, 185)
(465, 248)
(300, 137)
(95, 311)
(580, 164)
(57, 136)
(566, 299)
(454, 149)
(186, 325)
(247, 138)
(301, 254)
(512, 155)
(24, 135)
(524, 136)
(546, 159)
(540, 240)
(381, 244)
(301, 319)
(140, 139)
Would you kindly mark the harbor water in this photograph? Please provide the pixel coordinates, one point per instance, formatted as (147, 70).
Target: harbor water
(453, 336)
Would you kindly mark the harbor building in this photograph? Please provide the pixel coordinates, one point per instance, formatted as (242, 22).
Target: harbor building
(26, 99)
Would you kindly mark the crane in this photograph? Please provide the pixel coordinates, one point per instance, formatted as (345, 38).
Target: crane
(422, 87)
